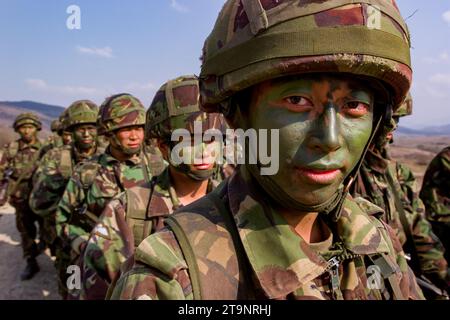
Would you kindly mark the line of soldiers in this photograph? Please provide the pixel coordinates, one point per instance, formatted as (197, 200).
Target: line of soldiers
(337, 207)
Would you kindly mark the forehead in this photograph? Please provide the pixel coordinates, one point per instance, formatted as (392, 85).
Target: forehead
(334, 81)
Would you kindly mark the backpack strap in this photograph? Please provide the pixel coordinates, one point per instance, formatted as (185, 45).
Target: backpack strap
(13, 149)
(198, 228)
(66, 166)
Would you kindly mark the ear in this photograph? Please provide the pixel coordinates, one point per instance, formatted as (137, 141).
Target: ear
(163, 147)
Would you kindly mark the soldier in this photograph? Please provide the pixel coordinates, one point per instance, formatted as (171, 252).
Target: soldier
(321, 75)
(391, 186)
(123, 165)
(435, 194)
(140, 211)
(55, 169)
(19, 158)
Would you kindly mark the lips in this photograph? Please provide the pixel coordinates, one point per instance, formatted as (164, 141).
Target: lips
(319, 176)
(203, 166)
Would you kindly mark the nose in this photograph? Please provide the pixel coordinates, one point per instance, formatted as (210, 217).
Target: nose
(325, 136)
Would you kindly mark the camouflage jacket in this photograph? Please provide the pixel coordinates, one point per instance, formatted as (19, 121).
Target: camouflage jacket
(21, 158)
(121, 229)
(274, 261)
(51, 177)
(435, 191)
(376, 188)
(90, 188)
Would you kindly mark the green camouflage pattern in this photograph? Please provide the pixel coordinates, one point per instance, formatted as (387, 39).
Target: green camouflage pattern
(120, 111)
(49, 182)
(79, 112)
(112, 240)
(55, 125)
(27, 118)
(435, 194)
(21, 158)
(176, 106)
(406, 108)
(254, 41)
(283, 265)
(374, 186)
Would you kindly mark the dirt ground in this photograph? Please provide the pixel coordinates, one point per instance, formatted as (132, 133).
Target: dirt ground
(42, 286)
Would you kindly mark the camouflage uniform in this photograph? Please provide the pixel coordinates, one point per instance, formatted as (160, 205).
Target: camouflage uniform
(21, 158)
(96, 181)
(233, 244)
(52, 175)
(391, 186)
(435, 194)
(375, 187)
(120, 230)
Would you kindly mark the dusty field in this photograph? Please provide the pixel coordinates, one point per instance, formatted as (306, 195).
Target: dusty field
(417, 151)
(42, 286)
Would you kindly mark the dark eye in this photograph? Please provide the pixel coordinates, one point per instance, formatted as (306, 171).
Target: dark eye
(299, 100)
(356, 108)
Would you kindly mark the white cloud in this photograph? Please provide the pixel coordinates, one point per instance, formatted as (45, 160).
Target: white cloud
(446, 16)
(441, 79)
(435, 92)
(443, 57)
(42, 85)
(105, 52)
(178, 6)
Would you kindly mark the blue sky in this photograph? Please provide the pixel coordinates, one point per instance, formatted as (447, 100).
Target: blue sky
(135, 46)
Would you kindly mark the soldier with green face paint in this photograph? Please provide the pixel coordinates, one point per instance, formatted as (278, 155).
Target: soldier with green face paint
(123, 165)
(18, 162)
(323, 76)
(54, 171)
(391, 186)
(140, 211)
(435, 193)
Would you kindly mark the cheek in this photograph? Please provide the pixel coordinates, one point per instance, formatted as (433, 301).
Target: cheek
(356, 133)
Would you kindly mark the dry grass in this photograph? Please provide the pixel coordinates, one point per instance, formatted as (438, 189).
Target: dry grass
(417, 151)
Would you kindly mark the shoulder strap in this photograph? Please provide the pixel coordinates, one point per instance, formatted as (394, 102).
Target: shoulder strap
(13, 149)
(410, 245)
(66, 163)
(200, 225)
(137, 213)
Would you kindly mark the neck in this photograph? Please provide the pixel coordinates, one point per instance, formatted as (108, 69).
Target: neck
(119, 155)
(188, 190)
(32, 141)
(88, 152)
(307, 225)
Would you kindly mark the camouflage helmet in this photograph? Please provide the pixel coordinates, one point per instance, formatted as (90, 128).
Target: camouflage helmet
(55, 125)
(405, 108)
(176, 106)
(257, 40)
(120, 111)
(27, 118)
(79, 112)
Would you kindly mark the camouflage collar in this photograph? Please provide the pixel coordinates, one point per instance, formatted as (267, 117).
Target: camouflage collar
(79, 156)
(285, 262)
(375, 161)
(36, 145)
(109, 159)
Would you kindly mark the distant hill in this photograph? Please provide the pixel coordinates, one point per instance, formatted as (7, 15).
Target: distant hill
(428, 131)
(9, 110)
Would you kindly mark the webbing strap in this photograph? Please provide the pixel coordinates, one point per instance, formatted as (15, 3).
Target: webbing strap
(189, 256)
(66, 163)
(349, 40)
(410, 245)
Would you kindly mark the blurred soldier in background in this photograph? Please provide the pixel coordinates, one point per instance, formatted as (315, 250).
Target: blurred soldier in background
(17, 165)
(55, 169)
